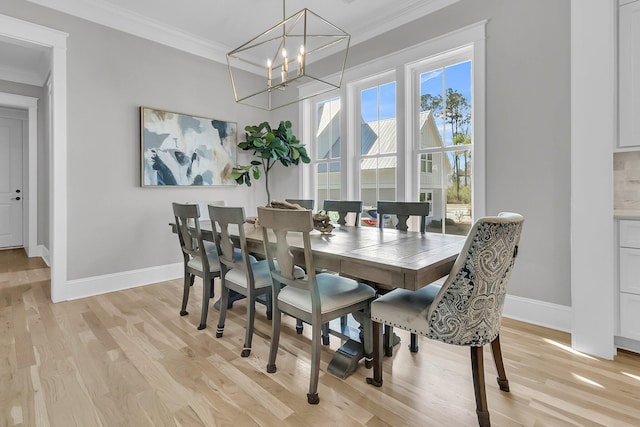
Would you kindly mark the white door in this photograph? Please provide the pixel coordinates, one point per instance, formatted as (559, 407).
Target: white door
(11, 194)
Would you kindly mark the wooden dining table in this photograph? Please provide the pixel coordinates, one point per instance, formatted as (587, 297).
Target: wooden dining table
(381, 257)
(385, 258)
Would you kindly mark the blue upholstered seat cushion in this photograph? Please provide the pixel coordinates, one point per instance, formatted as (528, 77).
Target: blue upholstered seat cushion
(335, 292)
(261, 274)
(405, 309)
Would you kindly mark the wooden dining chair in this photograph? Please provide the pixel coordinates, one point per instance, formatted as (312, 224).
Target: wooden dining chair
(343, 208)
(305, 203)
(197, 260)
(243, 274)
(315, 299)
(467, 309)
(402, 210)
(203, 208)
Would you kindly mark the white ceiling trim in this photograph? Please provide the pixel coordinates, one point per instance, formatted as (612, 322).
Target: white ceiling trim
(106, 14)
(129, 22)
(411, 12)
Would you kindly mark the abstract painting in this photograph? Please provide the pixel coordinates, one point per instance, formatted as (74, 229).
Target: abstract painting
(183, 150)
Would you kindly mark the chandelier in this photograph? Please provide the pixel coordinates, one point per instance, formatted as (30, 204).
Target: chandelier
(303, 50)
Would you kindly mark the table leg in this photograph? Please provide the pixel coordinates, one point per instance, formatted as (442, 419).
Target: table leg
(377, 356)
(233, 297)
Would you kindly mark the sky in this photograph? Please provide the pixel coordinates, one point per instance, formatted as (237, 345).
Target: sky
(456, 76)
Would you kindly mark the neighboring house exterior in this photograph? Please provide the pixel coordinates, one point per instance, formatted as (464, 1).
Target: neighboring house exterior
(378, 174)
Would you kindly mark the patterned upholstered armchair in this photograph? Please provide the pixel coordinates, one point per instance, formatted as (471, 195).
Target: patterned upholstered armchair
(467, 309)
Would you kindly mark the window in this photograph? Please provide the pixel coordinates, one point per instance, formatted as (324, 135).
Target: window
(444, 98)
(405, 127)
(326, 156)
(426, 163)
(378, 144)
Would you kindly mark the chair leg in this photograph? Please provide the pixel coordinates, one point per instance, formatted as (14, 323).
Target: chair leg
(251, 311)
(206, 290)
(388, 340)
(344, 322)
(413, 347)
(224, 297)
(503, 382)
(275, 340)
(312, 396)
(325, 333)
(477, 370)
(185, 293)
(366, 337)
(377, 355)
(299, 326)
(269, 304)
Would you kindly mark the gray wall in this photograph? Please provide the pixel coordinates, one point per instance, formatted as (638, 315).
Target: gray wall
(527, 124)
(43, 158)
(114, 225)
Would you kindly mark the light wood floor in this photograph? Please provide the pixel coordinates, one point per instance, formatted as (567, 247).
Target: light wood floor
(128, 359)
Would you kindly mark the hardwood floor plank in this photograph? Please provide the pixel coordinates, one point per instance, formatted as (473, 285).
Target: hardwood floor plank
(128, 359)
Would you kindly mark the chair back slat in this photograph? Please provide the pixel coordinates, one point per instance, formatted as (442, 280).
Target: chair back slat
(278, 224)
(343, 208)
(305, 203)
(468, 308)
(403, 210)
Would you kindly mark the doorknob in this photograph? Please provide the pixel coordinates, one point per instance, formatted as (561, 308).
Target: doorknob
(15, 198)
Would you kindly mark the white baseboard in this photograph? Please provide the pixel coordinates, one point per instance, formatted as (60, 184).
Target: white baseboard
(627, 344)
(44, 254)
(39, 251)
(90, 286)
(539, 313)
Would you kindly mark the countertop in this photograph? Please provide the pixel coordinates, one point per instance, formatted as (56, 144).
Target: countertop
(626, 213)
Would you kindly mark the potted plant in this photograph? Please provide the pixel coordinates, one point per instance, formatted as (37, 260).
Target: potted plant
(270, 146)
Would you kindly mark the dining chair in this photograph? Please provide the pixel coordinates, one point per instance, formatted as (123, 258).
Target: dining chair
(343, 208)
(203, 207)
(305, 203)
(402, 210)
(240, 274)
(315, 299)
(197, 260)
(467, 309)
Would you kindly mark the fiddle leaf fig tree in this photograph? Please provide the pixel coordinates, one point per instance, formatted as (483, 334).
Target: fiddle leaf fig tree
(270, 146)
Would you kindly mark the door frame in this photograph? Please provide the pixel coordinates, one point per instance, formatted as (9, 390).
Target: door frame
(56, 41)
(29, 168)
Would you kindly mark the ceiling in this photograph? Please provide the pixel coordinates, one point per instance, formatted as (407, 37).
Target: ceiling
(210, 28)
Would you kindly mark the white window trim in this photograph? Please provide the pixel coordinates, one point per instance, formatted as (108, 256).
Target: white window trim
(472, 35)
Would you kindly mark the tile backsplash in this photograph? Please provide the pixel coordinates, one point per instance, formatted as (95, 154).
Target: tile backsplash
(626, 180)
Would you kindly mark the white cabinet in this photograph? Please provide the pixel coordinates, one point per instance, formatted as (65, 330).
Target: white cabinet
(630, 316)
(629, 74)
(629, 257)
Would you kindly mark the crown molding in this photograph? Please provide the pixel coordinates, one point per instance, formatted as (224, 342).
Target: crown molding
(410, 12)
(111, 16)
(104, 13)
